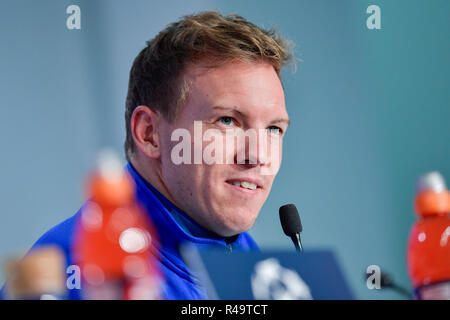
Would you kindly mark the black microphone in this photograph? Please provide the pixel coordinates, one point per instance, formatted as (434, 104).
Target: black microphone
(291, 224)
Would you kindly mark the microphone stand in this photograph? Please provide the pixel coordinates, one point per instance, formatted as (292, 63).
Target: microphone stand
(297, 242)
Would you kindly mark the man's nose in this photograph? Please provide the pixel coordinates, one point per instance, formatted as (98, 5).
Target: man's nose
(255, 151)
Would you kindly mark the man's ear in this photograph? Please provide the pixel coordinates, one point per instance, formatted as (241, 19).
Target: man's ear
(144, 127)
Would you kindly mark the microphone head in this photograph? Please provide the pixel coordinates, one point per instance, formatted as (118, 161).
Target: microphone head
(290, 220)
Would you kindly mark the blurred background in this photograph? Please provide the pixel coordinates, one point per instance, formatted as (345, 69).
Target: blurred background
(369, 110)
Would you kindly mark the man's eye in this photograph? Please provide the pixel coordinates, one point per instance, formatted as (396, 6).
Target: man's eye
(228, 121)
(274, 130)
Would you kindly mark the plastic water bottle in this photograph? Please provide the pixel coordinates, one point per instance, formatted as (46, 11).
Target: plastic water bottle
(429, 242)
(114, 236)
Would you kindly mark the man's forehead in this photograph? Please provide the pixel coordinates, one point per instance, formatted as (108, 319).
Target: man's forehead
(247, 82)
(239, 69)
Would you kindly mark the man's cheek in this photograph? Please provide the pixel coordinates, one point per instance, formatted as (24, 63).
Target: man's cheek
(274, 162)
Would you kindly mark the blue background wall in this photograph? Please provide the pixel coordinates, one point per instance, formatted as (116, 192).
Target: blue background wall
(369, 109)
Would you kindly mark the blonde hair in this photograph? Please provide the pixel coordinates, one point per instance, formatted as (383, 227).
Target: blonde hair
(156, 74)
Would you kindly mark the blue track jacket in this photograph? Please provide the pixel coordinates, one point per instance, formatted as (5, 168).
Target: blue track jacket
(174, 228)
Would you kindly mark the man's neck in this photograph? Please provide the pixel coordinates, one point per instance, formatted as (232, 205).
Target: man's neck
(152, 175)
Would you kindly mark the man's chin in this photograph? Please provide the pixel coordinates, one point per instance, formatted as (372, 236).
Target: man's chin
(229, 229)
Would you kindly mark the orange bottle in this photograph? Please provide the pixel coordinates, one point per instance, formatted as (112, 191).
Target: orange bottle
(113, 239)
(428, 254)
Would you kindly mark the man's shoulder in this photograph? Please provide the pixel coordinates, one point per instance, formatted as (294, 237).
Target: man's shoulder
(60, 235)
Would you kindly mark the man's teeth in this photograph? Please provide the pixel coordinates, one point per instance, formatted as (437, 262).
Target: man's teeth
(245, 184)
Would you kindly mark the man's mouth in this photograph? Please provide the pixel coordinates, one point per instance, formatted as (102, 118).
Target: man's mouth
(244, 184)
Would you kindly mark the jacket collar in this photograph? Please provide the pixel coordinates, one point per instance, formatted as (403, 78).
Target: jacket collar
(174, 226)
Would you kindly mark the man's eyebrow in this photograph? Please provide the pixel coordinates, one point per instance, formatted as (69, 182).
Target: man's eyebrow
(282, 120)
(278, 120)
(230, 109)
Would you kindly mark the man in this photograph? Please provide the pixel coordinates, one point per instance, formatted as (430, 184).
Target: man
(204, 73)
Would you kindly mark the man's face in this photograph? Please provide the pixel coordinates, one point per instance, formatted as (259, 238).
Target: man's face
(233, 96)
